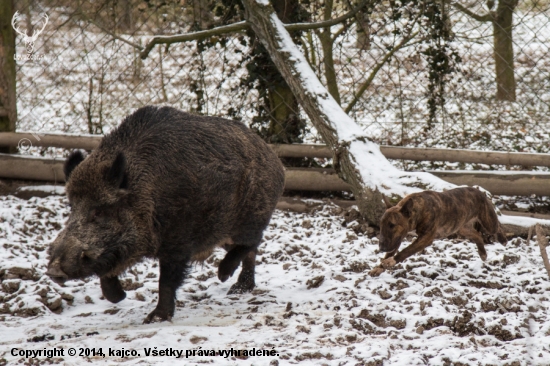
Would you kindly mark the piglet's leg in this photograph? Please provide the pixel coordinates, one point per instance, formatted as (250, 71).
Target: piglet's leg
(473, 235)
(172, 274)
(112, 289)
(391, 259)
(419, 244)
(378, 270)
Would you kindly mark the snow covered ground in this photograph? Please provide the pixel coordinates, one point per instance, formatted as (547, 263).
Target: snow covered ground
(314, 302)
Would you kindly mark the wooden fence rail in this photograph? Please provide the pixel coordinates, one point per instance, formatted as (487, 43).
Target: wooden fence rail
(310, 179)
(89, 142)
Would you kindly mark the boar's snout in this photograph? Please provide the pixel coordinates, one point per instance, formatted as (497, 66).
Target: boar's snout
(56, 274)
(70, 259)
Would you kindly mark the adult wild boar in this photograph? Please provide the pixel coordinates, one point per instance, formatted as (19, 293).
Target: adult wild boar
(169, 185)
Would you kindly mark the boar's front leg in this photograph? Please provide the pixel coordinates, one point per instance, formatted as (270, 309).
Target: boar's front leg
(172, 274)
(112, 289)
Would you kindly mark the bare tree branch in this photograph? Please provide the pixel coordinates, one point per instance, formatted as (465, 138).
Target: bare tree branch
(235, 27)
(193, 36)
(543, 242)
(481, 18)
(90, 20)
(326, 23)
(377, 68)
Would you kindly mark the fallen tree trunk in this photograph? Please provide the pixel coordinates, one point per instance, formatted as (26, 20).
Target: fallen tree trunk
(357, 160)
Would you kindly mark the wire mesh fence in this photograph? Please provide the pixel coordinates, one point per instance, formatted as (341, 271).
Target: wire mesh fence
(86, 74)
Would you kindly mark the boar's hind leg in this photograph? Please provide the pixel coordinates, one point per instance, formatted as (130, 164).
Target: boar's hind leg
(245, 283)
(112, 289)
(172, 274)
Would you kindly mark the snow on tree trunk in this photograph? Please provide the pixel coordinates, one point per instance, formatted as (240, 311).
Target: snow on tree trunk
(357, 160)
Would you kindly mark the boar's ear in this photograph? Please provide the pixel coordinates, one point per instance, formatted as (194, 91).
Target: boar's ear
(407, 208)
(75, 158)
(117, 172)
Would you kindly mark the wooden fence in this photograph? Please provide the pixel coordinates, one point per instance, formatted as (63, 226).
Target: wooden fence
(497, 182)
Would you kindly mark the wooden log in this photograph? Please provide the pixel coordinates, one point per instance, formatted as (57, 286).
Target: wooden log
(89, 142)
(466, 156)
(25, 140)
(302, 151)
(510, 183)
(497, 182)
(31, 168)
(297, 179)
(310, 179)
(526, 214)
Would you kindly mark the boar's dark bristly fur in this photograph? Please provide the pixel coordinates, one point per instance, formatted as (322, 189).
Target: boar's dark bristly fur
(169, 185)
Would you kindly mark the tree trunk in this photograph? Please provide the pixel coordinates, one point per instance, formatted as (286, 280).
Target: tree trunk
(325, 37)
(8, 107)
(284, 125)
(504, 52)
(126, 22)
(357, 160)
(283, 111)
(362, 40)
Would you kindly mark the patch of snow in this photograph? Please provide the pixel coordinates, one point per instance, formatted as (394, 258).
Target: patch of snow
(59, 190)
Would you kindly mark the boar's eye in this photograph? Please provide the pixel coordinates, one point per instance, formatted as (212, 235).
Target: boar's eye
(85, 258)
(391, 225)
(96, 213)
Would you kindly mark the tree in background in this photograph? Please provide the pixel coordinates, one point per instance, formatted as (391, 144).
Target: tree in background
(8, 107)
(502, 20)
(280, 106)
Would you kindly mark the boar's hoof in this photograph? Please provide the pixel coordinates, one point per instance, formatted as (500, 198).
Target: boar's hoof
(112, 289)
(241, 288)
(226, 270)
(157, 316)
(376, 271)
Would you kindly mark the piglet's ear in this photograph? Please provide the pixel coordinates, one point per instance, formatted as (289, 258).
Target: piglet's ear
(117, 172)
(407, 208)
(75, 158)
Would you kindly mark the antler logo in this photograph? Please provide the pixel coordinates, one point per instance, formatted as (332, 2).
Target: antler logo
(29, 40)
